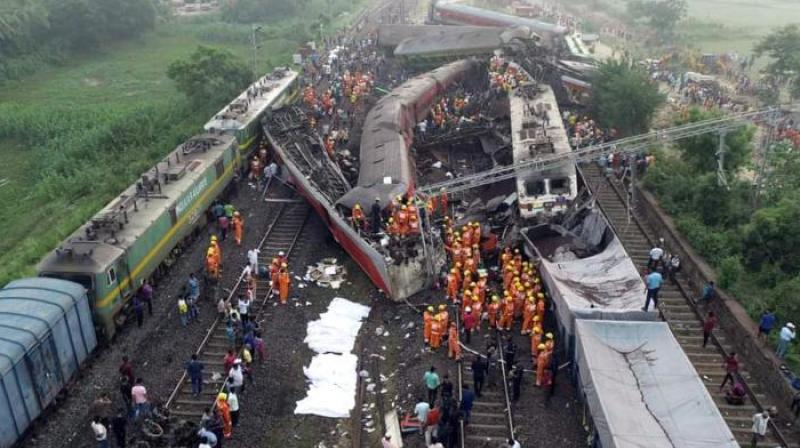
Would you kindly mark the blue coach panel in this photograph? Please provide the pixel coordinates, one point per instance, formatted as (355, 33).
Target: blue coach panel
(46, 333)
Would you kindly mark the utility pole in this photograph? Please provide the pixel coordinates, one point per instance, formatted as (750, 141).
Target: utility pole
(722, 179)
(256, 29)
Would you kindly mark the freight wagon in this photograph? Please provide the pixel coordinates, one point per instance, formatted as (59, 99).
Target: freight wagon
(130, 239)
(46, 333)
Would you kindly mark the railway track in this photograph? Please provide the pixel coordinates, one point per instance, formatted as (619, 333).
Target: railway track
(491, 423)
(281, 235)
(679, 310)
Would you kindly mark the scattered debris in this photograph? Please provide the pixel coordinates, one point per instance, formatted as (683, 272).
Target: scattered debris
(326, 274)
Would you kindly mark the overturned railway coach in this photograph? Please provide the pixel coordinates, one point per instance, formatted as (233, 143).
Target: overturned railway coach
(135, 234)
(386, 170)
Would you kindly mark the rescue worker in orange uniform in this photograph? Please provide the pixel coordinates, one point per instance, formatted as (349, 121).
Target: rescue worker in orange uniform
(444, 316)
(274, 271)
(477, 311)
(392, 228)
(453, 348)
(217, 250)
(452, 285)
(443, 201)
(427, 318)
(224, 412)
(505, 257)
(493, 311)
(357, 217)
(212, 266)
(549, 342)
(542, 363)
(436, 332)
(402, 220)
(238, 228)
(540, 307)
(536, 339)
(508, 276)
(527, 316)
(507, 314)
(467, 280)
(283, 283)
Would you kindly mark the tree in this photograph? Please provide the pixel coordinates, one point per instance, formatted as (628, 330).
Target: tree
(782, 172)
(661, 15)
(783, 48)
(623, 97)
(772, 236)
(700, 152)
(210, 76)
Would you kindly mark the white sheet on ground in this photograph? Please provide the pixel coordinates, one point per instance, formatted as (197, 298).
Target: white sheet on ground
(642, 390)
(332, 373)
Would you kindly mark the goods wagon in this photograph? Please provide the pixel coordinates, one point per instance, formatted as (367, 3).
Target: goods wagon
(242, 117)
(46, 333)
(135, 235)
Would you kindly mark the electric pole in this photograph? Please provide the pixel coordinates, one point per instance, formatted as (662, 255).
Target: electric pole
(256, 29)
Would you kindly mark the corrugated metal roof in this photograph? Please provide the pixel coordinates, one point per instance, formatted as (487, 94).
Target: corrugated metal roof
(28, 309)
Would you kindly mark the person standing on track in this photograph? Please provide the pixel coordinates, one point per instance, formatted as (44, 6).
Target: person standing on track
(653, 282)
(233, 403)
(453, 347)
(238, 228)
(432, 383)
(100, 432)
(478, 374)
(243, 304)
(224, 412)
(119, 425)
(283, 283)
(708, 326)
(252, 258)
(194, 369)
(146, 294)
(139, 398)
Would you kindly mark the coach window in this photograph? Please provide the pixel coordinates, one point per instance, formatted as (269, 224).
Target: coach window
(559, 186)
(111, 275)
(534, 187)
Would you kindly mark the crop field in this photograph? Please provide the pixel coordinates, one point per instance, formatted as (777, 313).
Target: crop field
(73, 136)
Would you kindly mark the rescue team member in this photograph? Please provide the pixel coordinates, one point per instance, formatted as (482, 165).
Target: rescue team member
(453, 347)
(427, 318)
(224, 412)
(238, 228)
(357, 218)
(283, 283)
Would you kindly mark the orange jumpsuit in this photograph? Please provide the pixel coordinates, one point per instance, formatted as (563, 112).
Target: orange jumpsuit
(477, 310)
(508, 277)
(443, 202)
(358, 218)
(452, 286)
(540, 310)
(238, 229)
(427, 319)
(467, 280)
(436, 334)
(444, 318)
(493, 308)
(508, 315)
(542, 363)
(453, 349)
(212, 268)
(274, 273)
(283, 282)
(224, 412)
(536, 339)
(527, 317)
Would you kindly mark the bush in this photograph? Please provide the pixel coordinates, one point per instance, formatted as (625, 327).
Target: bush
(730, 271)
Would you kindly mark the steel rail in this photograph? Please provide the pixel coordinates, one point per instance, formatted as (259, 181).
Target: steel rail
(509, 416)
(233, 291)
(625, 145)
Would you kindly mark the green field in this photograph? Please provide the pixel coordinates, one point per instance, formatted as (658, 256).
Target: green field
(73, 136)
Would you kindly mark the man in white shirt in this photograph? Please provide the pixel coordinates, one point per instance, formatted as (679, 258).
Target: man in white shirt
(237, 375)
(100, 432)
(786, 337)
(760, 423)
(252, 258)
(233, 402)
(244, 307)
(656, 254)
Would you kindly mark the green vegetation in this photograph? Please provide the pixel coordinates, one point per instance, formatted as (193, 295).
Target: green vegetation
(783, 49)
(753, 245)
(623, 97)
(210, 75)
(37, 31)
(73, 135)
(660, 15)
